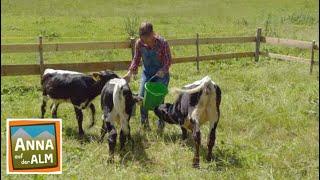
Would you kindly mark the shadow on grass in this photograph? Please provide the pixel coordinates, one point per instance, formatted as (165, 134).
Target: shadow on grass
(133, 150)
(224, 156)
(72, 133)
(227, 156)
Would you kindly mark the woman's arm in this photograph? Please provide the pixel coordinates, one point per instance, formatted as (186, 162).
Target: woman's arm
(166, 60)
(133, 69)
(167, 57)
(136, 59)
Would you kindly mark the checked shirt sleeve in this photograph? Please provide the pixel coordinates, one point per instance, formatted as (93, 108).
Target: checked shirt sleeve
(136, 59)
(166, 57)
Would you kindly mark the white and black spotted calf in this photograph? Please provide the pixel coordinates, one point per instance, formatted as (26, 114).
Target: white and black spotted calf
(196, 104)
(74, 87)
(117, 103)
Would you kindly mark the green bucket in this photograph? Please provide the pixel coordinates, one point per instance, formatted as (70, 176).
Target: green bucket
(154, 94)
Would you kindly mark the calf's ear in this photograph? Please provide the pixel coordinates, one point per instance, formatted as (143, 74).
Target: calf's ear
(96, 76)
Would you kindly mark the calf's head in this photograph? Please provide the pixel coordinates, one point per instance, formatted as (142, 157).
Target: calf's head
(103, 76)
(162, 112)
(131, 101)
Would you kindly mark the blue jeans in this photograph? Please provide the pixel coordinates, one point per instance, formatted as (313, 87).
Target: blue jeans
(144, 78)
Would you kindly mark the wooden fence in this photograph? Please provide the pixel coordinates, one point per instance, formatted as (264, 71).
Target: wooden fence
(37, 69)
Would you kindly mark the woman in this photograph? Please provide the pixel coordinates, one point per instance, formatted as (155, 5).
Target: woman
(156, 58)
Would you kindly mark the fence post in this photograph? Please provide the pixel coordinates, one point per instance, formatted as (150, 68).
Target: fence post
(312, 56)
(197, 58)
(41, 56)
(258, 39)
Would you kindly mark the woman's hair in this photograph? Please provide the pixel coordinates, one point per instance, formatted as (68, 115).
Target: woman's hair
(146, 28)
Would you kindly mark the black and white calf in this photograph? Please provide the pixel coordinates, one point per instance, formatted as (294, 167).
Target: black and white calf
(196, 104)
(74, 87)
(117, 103)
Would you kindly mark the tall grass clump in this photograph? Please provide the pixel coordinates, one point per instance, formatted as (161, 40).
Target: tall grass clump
(269, 30)
(131, 25)
(300, 18)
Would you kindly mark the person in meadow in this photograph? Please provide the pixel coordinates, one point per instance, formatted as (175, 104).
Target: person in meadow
(156, 60)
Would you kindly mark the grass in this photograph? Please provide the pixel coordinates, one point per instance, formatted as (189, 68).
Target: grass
(270, 109)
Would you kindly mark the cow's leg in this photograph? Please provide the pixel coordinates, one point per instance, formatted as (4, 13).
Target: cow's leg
(212, 135)
(108, 127)
(112, 139)
(103, 131)
(129, 136)
(54, 110)
(79, 116)
(211, 141)
(125, 131)
(51, 105)
(143, 112)
(197, 138)
(93, 112)
(164, 80)
(122, 139)
(184, 133)
(44, 105)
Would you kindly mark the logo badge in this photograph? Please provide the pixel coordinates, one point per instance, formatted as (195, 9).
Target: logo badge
(34, 146)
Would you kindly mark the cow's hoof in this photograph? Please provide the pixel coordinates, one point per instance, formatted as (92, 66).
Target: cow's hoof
(209, 158)
(110, 160)
(100, 140)
(196, 165)
(160, 131)
(184, 137)
(147, 128)
(122, 153)
(81, 136)
(160, 128)
(184, 140)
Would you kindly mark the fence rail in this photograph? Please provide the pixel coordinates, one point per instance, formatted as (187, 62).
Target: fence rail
(33, 69)
(287, 42)
(23, 48)
(285, 57)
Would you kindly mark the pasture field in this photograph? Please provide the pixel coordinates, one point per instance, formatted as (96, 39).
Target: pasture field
(270, 109)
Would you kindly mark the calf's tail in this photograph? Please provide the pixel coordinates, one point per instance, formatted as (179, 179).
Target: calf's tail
(117, 96)
(198, 88)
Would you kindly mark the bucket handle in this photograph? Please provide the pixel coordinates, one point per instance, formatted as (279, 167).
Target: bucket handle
(152, 77)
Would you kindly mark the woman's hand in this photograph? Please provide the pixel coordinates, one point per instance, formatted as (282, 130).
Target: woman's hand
(127, 77)
(160, 73)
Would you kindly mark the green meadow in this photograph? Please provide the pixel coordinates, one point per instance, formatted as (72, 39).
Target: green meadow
(269, 112)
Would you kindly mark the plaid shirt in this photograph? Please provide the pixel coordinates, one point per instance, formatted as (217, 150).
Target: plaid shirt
(163, 53)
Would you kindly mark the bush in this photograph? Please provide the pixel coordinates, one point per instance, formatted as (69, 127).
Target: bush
(131, 25)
